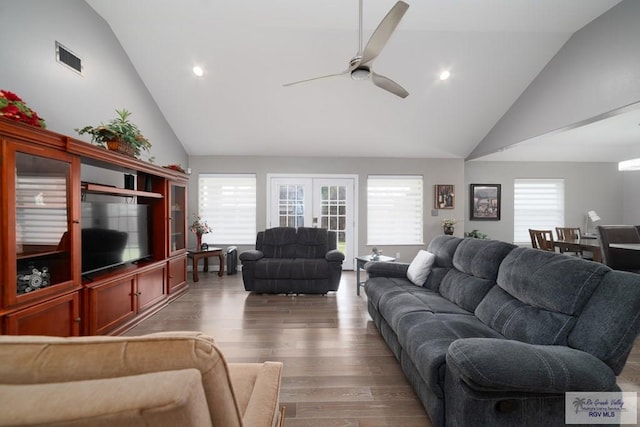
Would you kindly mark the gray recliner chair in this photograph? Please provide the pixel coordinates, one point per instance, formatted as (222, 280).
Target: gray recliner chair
(619, 259)
(289, 260)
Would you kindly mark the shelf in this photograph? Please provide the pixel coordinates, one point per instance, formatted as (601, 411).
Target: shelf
(33, 255)
(115, 191)
(57, 206)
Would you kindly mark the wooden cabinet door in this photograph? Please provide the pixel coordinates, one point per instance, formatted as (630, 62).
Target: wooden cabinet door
(177, 274)
(111, 304)
(57, 317)
(151, 288)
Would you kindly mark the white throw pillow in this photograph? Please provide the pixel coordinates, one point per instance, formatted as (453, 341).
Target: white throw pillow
(420, 267)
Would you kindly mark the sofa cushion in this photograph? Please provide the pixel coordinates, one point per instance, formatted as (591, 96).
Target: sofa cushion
(278, 242)
(169, 398)
(538, 294)
(395, 305)
(426, 336)
(274, 268)
(420, 267)
(476, 263)
(311, 243)
(443, 247)
(309, 269)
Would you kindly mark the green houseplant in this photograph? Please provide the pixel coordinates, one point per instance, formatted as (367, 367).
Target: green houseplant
(476, 234)
(119, 134)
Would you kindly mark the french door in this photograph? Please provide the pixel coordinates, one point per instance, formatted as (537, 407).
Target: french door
(315, 201)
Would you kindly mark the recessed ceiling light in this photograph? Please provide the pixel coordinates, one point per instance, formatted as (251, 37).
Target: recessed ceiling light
(198, 71)
(445, 75)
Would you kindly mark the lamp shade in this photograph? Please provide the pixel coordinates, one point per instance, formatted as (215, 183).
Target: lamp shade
(593, 216)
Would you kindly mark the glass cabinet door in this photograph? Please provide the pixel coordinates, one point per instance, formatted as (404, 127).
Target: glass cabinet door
(178, 200)
(43, 248)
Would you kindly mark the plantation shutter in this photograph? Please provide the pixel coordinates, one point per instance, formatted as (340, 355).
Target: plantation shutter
(228, 204)
(394, 210)
(537, 204)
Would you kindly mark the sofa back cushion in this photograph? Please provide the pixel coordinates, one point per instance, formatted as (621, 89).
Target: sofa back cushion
(475, 268)
(443, 247)
(538, 295)
(311, 242)
(35, 359)
(278, 242)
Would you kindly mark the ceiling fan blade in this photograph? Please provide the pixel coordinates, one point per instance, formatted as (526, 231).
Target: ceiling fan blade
(317, 78)
(383, 33)
(388, 85)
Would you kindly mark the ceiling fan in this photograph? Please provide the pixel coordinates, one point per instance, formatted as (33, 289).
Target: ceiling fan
(360, 66)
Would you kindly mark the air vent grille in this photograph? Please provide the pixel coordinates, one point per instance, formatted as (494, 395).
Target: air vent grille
(65, 57)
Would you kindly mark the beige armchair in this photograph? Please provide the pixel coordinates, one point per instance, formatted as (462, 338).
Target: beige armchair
(166, 379)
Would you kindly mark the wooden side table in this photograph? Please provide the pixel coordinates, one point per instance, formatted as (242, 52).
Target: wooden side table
(195, 255)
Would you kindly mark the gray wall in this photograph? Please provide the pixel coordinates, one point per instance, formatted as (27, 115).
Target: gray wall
(595, 72)
(434, 171)
(630, 197)
(66, 100)
(588, 186)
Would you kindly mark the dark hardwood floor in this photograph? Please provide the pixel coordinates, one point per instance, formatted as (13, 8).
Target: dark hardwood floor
(338, 371)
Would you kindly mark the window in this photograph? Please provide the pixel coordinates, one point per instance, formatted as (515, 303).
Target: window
(394, 210)
(228, 204)
(537, 204)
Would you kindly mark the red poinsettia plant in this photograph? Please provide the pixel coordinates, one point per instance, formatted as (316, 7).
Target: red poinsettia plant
(14, 108)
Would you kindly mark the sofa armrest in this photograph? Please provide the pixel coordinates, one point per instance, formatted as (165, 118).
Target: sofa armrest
(169, 398)
(334, 255)
(252, 255)
(386, 269)
(257, 388)
(498, 364)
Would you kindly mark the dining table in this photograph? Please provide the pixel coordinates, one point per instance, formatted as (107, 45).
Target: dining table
(581, 244)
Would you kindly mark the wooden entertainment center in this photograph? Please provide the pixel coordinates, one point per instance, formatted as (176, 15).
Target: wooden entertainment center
(43, 288)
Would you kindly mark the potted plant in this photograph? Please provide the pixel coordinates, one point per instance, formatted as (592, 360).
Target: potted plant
(120, 134)
(447, 225)
(475, 234)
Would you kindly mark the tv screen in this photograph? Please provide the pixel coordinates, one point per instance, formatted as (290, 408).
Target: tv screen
(113, 234)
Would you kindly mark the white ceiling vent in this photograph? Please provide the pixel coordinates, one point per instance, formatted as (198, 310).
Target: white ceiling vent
(65, 57)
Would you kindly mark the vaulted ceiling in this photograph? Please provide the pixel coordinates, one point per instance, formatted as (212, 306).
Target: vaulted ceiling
(250, 48)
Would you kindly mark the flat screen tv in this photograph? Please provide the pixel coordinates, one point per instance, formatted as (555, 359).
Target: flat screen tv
(113, 234)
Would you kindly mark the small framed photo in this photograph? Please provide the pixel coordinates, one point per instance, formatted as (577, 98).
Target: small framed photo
(485, 202)
(444, 196)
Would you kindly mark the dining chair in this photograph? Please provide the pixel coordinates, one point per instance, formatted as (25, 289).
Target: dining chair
(568, 233)
(619, 259)
(542, 239)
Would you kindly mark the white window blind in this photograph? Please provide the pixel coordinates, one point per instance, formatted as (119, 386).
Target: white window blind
(537, 204)
(41, 214)
(394, 210)
(228, 204)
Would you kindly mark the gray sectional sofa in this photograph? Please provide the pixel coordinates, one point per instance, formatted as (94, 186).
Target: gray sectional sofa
(498, 333)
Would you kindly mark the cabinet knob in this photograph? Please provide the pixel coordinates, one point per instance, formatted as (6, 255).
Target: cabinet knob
(75, 221)
(77, 320)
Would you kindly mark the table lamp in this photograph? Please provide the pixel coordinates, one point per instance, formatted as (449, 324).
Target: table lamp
(593, 216)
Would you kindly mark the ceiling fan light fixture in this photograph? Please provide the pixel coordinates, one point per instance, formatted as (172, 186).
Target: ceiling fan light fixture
(360, 74)
(198, 71)
(629, 165)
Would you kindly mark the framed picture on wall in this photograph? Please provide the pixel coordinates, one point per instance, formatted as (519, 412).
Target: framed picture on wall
(485, 202)
(444, 196)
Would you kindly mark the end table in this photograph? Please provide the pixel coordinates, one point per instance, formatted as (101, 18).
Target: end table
(361, 261)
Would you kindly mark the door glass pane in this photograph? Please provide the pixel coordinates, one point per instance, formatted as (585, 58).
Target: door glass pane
(43, 243)
(333, 211)
(291, 206)
(178, 218)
